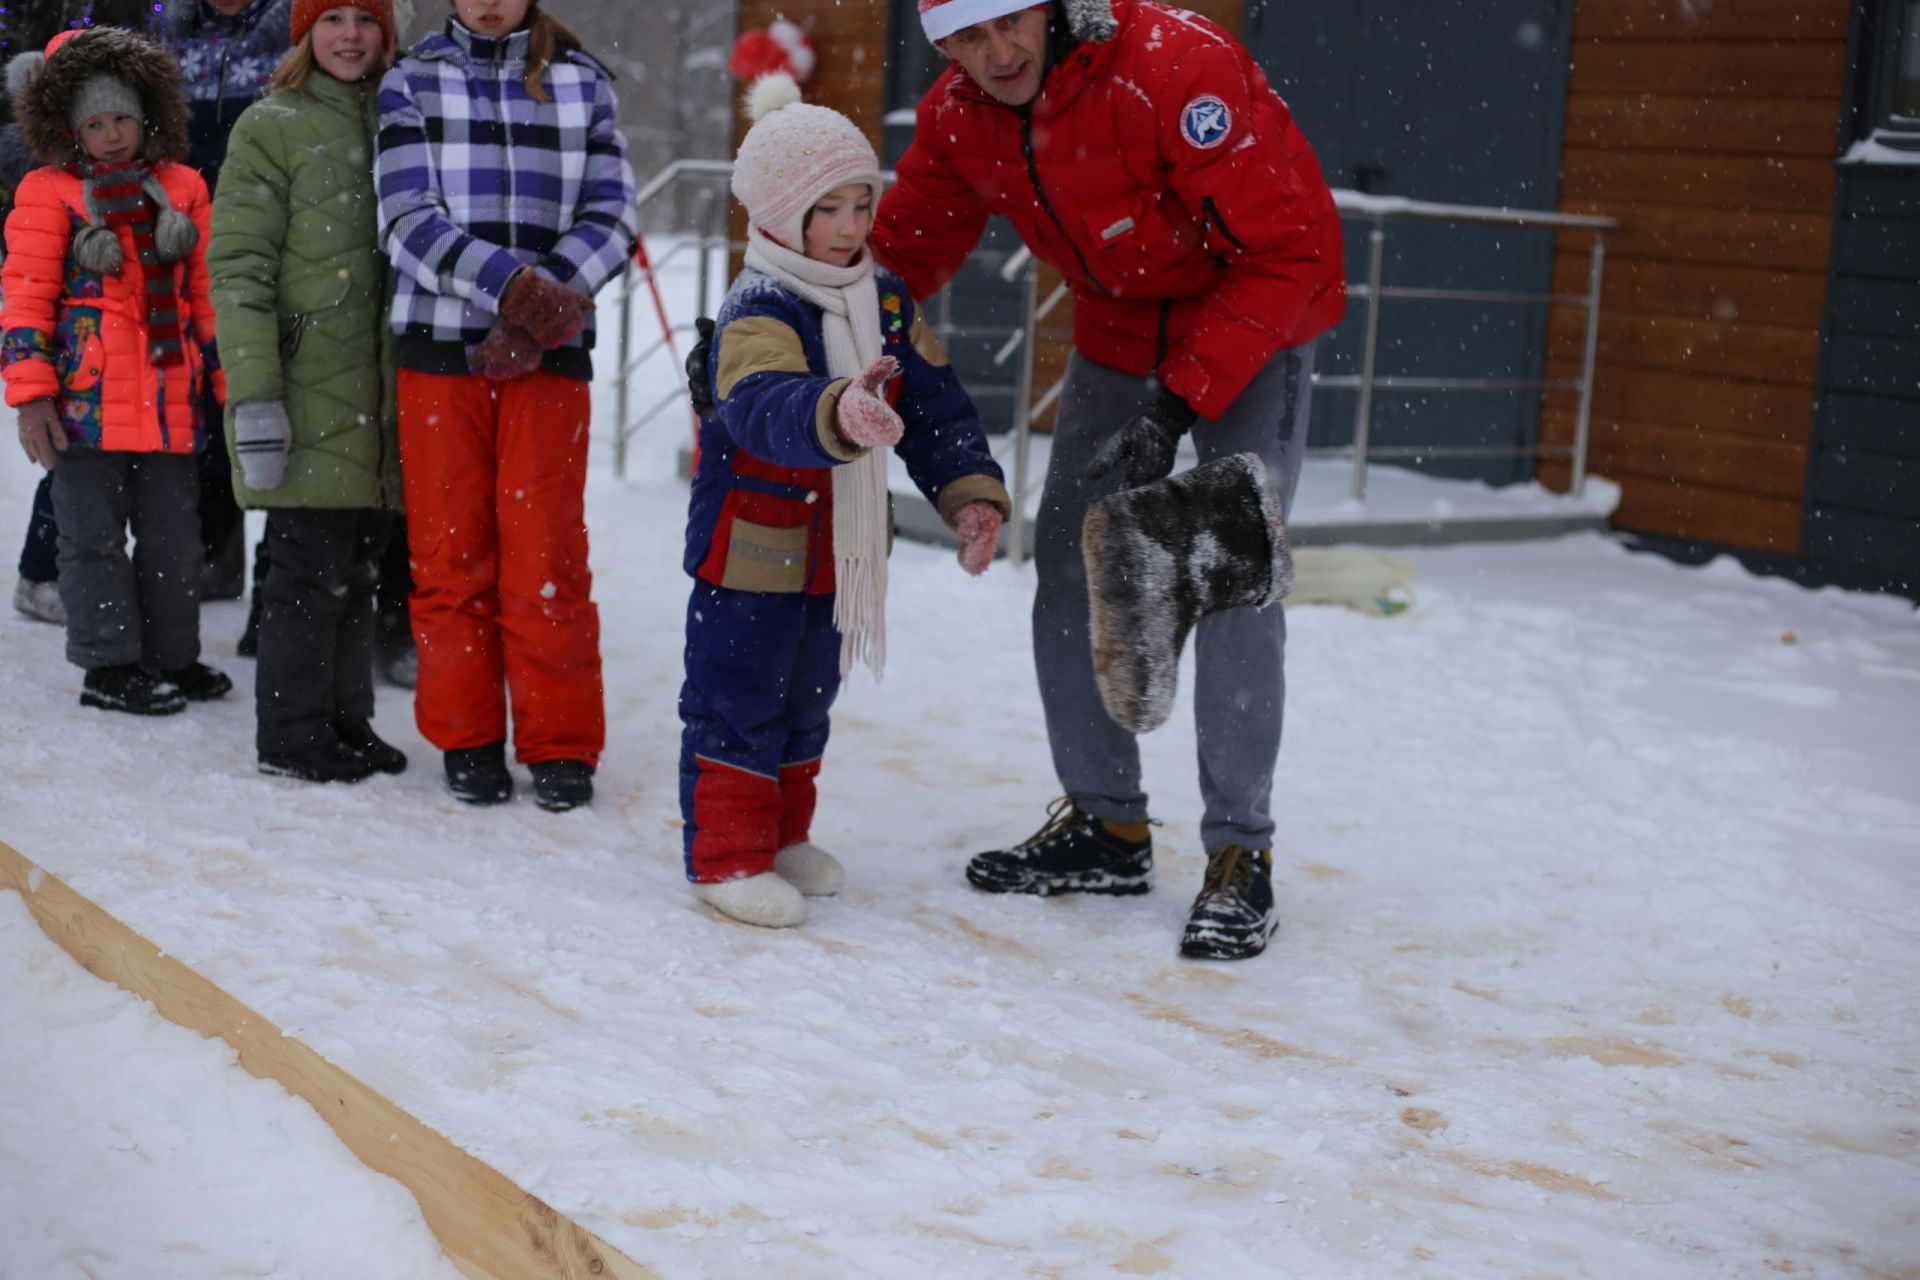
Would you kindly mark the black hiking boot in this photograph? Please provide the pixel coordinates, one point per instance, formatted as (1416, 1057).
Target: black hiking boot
(125, 687)
(1072, 853)
(478, 775)
(560, 785)
(1233, 917)
(199, 682)
(329, 762)
(358, 737)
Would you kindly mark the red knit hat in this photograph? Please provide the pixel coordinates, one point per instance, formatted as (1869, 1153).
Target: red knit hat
(307, 12)
(941, 18)
(1087, 19)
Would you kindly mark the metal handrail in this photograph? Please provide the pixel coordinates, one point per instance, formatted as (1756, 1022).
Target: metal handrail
(1378, 210)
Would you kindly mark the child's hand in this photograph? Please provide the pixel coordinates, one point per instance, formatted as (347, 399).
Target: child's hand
(41, 434)
(507, 352)
(544, 308)
(261, 437)
(863, 417)
(978, 524)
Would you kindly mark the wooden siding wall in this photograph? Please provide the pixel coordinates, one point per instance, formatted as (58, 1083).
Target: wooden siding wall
(1709, 130)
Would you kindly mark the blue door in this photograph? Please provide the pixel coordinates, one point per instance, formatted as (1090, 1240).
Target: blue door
(1453, 101)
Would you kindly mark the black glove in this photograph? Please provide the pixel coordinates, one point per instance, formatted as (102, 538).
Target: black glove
(699, 384)
(1143, 449)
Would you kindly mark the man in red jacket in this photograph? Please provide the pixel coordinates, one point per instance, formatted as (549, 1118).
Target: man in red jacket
(1139, 151)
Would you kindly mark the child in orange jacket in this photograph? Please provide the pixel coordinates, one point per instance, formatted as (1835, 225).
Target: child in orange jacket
(102, 330)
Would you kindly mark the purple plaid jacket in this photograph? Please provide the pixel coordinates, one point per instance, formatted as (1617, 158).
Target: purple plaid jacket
(477, 180)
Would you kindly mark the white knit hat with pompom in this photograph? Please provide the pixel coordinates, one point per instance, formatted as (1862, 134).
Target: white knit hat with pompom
(794, 154)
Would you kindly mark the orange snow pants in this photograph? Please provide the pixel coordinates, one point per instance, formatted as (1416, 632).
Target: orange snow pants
(495, 476)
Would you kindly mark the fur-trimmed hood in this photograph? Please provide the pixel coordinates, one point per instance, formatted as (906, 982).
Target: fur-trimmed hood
(44, 90)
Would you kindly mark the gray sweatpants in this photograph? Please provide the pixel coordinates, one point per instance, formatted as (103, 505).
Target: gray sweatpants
(141, 609)
(1240, 681)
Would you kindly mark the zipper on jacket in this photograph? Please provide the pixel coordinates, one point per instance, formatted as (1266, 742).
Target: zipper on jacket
(1212, 211)
(1033, 172)
(1160, 336)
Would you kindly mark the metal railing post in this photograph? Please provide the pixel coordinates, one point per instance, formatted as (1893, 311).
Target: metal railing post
(1587, 359)
(1363, 412)
(1023, 420)
(623, 417)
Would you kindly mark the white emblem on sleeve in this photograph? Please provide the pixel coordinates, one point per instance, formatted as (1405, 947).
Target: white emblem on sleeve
(1205, 122)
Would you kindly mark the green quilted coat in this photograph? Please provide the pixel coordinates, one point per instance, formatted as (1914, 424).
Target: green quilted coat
(300, 289)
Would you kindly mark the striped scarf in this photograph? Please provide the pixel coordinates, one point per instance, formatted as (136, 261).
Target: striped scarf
(118, 195)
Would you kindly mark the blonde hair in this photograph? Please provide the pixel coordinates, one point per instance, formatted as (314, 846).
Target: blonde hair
(298, 66)
(548, 38)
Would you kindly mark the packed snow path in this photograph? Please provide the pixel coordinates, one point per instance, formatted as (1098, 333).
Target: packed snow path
(1600, 953)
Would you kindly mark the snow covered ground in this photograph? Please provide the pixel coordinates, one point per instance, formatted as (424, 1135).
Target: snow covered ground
(1600, 959)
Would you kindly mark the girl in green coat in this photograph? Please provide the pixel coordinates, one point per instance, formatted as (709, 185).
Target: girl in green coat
(299, 292)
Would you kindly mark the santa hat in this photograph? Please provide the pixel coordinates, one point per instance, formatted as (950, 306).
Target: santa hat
(1090, 20)
(794, 154)
(307, 12)
(782, 46)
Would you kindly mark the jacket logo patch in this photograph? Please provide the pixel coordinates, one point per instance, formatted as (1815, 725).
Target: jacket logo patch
(1119, 228)
(1205, 122)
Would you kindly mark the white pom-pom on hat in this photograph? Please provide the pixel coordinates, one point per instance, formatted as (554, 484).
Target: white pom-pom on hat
(795, 153)
(769, 93)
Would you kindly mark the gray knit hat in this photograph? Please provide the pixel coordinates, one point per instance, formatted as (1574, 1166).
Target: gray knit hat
(100, 94)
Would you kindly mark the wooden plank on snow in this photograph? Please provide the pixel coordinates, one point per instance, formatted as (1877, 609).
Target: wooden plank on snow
(490, 1228)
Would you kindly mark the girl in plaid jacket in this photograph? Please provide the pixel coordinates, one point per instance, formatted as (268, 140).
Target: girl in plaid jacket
(506, 200)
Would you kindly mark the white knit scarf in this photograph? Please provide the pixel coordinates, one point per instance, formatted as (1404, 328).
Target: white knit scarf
(850, 328)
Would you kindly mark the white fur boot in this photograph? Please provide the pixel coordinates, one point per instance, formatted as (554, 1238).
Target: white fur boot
(810, 869)
(765, 900)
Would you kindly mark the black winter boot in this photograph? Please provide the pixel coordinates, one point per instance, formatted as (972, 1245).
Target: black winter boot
(331, 762)
(560, 785)
(478, 775)
(1072, 853)
(125, 687)
(1233, 917)
(1161, 557)
(199, 682)
(358, 737)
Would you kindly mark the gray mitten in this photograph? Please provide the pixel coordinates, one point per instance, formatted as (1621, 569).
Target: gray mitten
(261, 437)
(97, 248)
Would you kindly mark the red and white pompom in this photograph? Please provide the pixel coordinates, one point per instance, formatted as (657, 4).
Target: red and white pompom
(783, 46)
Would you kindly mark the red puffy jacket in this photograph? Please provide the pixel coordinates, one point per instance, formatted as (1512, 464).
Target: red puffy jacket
(81, 339)
(1162, 176)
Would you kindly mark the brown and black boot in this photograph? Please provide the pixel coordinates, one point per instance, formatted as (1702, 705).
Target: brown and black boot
(1073, 853)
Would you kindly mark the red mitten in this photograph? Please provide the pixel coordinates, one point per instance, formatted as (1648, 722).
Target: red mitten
(506, 352)
(978, 524)
(552, 313)
(863, 416)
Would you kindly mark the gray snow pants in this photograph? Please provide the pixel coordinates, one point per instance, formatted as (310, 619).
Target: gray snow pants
(141, 609)
(1240, 682)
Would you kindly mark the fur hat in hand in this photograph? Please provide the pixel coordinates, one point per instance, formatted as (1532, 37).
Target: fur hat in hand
(794, 154)
(1090, 20)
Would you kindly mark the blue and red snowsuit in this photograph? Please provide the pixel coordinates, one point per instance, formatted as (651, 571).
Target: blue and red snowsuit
(763, 656)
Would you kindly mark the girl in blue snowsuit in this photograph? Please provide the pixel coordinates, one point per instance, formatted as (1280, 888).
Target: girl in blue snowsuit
(820, 363)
